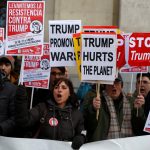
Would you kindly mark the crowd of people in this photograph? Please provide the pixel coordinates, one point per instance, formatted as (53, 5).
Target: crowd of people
(56, 113)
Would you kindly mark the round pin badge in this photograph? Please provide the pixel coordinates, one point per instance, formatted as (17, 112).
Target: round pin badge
(53, 121)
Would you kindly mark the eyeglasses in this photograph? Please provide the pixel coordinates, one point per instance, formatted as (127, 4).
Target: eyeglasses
(57, 74)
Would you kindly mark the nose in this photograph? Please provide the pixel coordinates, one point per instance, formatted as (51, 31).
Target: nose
(57, 76)
(59, 88)
(2, 67)
(114, 85)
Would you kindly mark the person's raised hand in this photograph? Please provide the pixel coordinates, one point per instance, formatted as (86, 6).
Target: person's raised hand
(139, 101)
(96, 103)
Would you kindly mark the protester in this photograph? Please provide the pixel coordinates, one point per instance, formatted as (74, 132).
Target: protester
(66, 72)
(41, 95)
(59, 116)
(143, 87)
(7, 112)
(116, 115)
(7, 66)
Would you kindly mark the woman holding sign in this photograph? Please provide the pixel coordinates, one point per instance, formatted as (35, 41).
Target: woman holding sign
(59, 117)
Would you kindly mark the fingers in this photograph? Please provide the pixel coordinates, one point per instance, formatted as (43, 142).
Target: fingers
(96, 103)
(139, 101)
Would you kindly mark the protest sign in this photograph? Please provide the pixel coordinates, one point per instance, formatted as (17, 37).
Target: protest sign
(120, 51)
(136, 143)
(100, 29)
(7, 143)
(25, 27)
(77, 44)
(127, 68)
(98, 56)
(61, 41)
(1, 41)
(77, 51)
(139, 49)
(147, 124)
(36, 70)
(134, 69)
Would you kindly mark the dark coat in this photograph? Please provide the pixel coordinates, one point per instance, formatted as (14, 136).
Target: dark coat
(98, 129)
(7, 95)
(69, 121)
(147, 104)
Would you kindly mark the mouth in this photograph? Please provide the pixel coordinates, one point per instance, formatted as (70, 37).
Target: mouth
(142, 90)
(114, 91)
(59, 95)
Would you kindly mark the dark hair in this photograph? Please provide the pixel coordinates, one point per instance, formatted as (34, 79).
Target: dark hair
(72, 98)
(62, 69)
(143, 75)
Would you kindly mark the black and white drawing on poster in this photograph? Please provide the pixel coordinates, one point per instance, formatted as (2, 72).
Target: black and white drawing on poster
(44, 64)
(36, 27)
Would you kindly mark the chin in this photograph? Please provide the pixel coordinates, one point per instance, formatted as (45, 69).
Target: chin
(114, 97)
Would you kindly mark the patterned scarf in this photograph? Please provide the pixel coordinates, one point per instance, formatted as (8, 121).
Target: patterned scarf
(115, 131)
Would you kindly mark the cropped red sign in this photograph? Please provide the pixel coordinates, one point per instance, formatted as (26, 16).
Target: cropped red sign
(120, 51)
(139, 49)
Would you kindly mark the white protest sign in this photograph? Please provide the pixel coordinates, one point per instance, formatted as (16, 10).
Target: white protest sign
(100, 29)
(7, 143)
(128, 143)
(25, 27)
(147, 124)
(1, 41)
(98, 56)
(61, 41)
(36, 70)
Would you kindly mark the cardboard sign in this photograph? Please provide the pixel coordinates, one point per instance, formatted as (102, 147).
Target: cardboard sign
(1, 41)
(139, 49)
(25, 27)
(36, 70)
(98, 56)
(61, 41)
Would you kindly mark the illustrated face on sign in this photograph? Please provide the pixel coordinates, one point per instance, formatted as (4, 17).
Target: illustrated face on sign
(61, 93)
(145, 85)
(44, 64)
(114, 90)
(36, 27)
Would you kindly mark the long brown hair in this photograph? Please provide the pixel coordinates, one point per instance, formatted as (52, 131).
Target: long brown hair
(72, 98)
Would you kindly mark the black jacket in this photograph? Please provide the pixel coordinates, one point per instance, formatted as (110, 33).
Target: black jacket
(147, 104)
(7, 95)
(68, 121)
